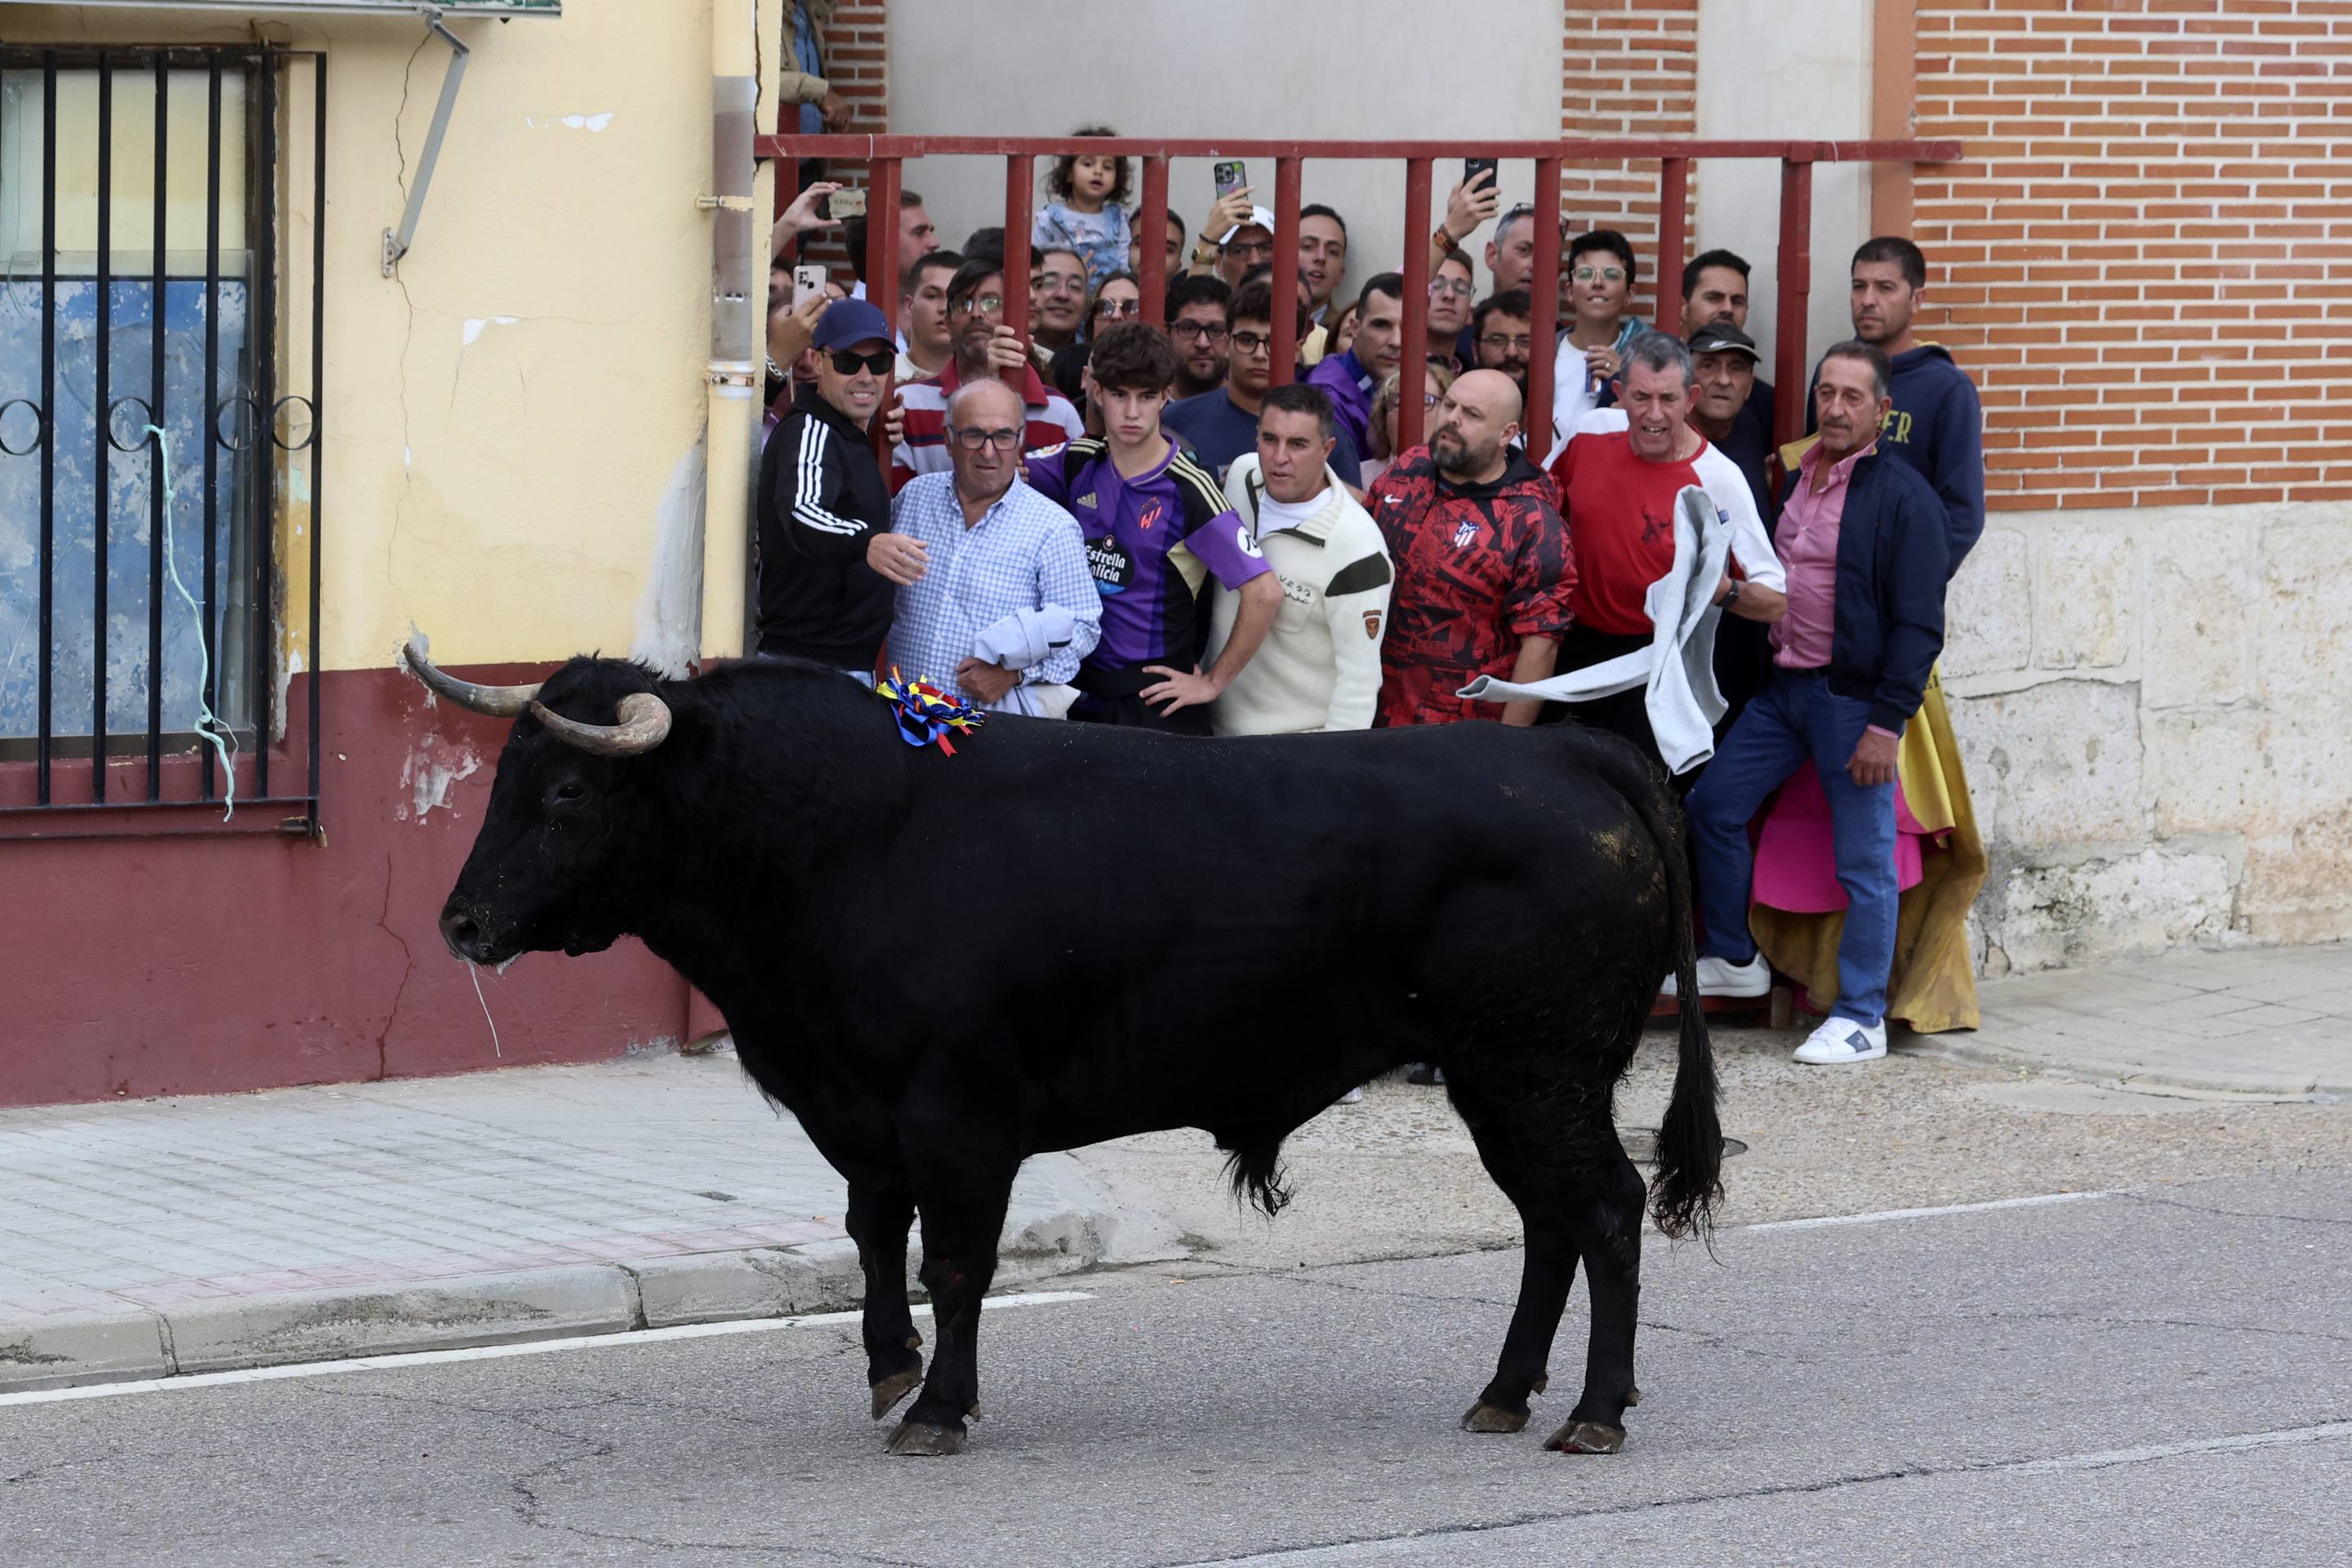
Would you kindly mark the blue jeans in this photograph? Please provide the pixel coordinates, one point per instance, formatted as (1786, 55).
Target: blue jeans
(1796, 716)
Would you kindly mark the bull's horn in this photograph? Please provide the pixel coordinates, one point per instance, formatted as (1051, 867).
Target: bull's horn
(500, 701)
(645, 723)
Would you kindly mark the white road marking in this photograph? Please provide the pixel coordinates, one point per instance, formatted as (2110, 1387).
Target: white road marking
(2324, 1432)
(1449, 1545)
(1881, 1216)
(494, 1352)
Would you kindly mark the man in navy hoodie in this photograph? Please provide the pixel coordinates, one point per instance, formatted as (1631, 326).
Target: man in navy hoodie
(1935, 424)
(1864, 542)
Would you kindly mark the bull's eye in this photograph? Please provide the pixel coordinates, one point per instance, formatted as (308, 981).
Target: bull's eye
(571, 792)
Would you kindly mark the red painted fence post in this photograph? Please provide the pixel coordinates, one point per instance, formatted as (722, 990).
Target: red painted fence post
(1795, 265)
(1411, 421)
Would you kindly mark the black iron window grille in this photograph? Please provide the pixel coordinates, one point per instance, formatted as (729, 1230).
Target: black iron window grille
(163, 245)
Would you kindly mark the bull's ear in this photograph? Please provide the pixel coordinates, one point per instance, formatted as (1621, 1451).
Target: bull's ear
(645, 724)
(499, 701)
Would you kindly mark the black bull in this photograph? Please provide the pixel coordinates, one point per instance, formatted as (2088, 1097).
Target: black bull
(1065, 933)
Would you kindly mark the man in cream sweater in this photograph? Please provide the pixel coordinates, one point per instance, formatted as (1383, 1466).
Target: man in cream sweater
(1319, 667)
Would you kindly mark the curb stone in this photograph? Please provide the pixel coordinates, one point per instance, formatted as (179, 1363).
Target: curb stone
(496, 1309)
(1977, 1051)
(94, 1347)
(329, 1325)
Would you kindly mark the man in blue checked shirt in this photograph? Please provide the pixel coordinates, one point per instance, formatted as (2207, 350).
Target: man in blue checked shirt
(995, 600)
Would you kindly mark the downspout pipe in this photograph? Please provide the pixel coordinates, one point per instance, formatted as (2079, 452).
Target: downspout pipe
(734, 371)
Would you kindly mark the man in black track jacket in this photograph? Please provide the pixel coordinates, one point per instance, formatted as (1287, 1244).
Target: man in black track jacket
(824, 500)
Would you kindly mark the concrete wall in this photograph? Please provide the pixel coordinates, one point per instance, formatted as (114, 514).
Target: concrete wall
(2147, 701)
(1769, 70)
(1323, 69)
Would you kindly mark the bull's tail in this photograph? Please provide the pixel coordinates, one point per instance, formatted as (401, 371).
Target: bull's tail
(1690, 1142)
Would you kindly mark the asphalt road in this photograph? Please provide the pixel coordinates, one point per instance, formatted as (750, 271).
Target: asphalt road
(2159, 1375)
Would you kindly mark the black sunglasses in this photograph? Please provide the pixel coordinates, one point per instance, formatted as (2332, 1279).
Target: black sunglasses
(846, 362)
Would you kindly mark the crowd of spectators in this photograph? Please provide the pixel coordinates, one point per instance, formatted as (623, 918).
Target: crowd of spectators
(1107, 521)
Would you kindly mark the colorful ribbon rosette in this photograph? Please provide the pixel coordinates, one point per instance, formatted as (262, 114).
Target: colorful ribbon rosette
(927, 714)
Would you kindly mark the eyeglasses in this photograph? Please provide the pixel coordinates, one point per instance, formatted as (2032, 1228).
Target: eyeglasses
(848, 362)
(1606, 274)
(1250, 247)
(1115, 309)
(1457, 287)
(974, 441)
(986, 304)
(1208, 329)
(1432, 399)
(1499, 343)
(1250, 343)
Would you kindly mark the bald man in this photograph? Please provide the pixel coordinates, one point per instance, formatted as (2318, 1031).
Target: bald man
(1482, 569)
(1011, 608)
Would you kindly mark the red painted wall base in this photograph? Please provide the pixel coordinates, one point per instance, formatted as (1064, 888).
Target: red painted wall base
(208, 962)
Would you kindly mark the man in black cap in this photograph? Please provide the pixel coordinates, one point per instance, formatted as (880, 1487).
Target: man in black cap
(1726, 411)
(1723, 412)
(823, 500)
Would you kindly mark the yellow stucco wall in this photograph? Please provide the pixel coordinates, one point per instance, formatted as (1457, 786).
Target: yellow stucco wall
(504, 414)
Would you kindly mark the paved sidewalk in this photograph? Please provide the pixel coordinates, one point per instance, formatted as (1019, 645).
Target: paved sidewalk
(146, 1238)
(2264, 1020)
(151, 1237)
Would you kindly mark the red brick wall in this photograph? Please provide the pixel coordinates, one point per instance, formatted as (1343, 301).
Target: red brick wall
(2144, 261)
(857, 61)
(1628, 67)
(856, 66)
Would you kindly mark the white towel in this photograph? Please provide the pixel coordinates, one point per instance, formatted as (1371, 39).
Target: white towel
(1024, 639)
(1678, 667)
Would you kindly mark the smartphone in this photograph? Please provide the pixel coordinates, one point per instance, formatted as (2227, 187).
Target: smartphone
(1472, 167)
(841, 203)
(1231, 177)
(808, 282)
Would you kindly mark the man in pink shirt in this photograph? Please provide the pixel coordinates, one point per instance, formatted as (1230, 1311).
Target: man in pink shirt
(1863, 540)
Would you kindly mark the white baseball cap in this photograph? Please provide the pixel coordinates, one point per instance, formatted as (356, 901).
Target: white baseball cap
(1262, 216)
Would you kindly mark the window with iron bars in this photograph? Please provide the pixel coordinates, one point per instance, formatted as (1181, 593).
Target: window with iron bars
(150, 285)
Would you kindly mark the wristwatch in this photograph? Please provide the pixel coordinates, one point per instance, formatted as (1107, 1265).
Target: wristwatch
(1730, 596)
(1443, 238)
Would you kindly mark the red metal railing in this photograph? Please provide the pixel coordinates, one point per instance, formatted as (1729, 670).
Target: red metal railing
(885, 154)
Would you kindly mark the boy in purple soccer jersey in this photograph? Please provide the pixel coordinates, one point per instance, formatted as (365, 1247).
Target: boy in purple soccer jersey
(1156, 528)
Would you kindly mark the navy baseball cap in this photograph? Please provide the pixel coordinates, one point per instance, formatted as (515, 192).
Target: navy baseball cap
(847, 323)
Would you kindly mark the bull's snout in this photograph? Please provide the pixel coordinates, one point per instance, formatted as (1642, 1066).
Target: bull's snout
(463, 932)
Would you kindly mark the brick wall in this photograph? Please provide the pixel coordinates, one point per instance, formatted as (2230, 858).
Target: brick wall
(857, 65)
(2144, 260)
(1628, 67)
(857, 61)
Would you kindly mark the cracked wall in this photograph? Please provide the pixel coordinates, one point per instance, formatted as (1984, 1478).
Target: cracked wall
(2145, 698)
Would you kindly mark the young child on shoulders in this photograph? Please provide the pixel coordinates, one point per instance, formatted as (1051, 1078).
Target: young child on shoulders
(1084, 211)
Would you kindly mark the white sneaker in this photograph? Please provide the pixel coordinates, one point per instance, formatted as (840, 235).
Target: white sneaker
(1353, 1096)
(1843, 1040)
(1721, 977)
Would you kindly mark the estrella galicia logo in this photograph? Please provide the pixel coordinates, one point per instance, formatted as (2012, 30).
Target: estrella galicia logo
(1113, 567)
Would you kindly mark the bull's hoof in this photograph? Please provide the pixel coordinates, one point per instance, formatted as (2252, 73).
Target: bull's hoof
(918, 1442)
(892, 1391)
(1586, 1438)
(1484, 1418)
(1633, 1397)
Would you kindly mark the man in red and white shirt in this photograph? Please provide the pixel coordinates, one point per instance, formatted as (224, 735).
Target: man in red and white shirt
(1618, 476)
(984, 346)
